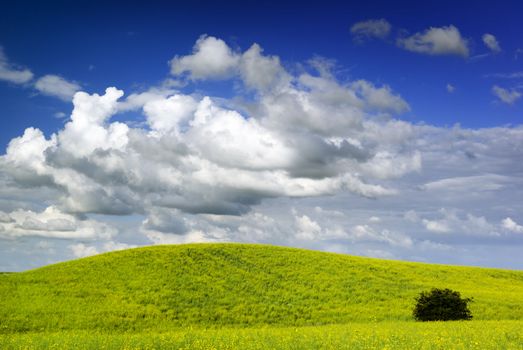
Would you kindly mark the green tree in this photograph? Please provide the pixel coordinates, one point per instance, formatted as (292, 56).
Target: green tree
(441, 305)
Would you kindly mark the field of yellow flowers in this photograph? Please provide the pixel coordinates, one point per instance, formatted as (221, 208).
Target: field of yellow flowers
(380, 335)
(239, 296)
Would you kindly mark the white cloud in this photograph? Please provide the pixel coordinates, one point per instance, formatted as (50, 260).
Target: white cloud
(450, 88)
(11, 73)
(202, 168)
(368, 233)
(54, 85)
(451, 222)
(136, 101)
(262, 72)
(382, 98)
(28, 150)
(112, 246)
(50, 85)
(436, 41)
(81, 250)
(5, 218)
(374, 219)
(211, 58)
(307, 228)
(194, 236)
(511, 225)
(436, 226)
(386, 165)
(54, 223)
(87, 131)
(228, 139)
(505, 95)
(476, 183)
(491, 42)
(374, 28)
(166, 115)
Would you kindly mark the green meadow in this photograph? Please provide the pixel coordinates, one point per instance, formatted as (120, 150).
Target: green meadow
(243, 296)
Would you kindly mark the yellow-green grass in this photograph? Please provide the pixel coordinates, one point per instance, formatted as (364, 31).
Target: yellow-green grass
(163, 288)
(481, 335)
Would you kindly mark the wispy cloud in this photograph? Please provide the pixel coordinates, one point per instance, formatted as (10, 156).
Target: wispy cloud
(505, 95)
(513, 75)
(491, 42)
(12, 73)
(373, 28)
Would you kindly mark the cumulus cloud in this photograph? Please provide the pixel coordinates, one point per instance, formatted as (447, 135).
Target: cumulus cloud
(380, 98)
(54, 85)
(80, 250)
(200, 168)
(200, 157)
(197, 156)
(373, 28)
(262, 72)
(211, 58)
(436, 41)
(451, 222)
(511, 225)
(307, 228)
(5, 218)
(505, 95)
(168, 114)
(491, 42)
(54, 223)
(12, 73)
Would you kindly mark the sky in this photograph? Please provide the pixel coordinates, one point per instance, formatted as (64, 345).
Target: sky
(378, 128)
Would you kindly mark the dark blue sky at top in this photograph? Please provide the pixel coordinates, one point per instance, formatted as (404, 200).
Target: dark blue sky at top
(128, 44)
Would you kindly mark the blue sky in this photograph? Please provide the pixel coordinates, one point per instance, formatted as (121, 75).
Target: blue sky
(426, 99)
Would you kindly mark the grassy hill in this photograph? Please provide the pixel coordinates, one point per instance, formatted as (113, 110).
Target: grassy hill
(215, 285)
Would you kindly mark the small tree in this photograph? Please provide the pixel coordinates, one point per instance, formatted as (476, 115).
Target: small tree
(441, 305)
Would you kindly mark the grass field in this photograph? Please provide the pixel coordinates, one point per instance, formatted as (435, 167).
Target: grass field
(244, 296)
(481, 335)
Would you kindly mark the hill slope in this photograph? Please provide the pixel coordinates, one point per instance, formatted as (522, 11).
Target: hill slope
(163, 287)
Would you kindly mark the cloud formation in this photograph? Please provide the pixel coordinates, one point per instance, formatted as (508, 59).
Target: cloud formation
(293, 158)
(200, 157)
(505, 95)
(54, 85)
(373, 28)
(53, 223)
(211, 58)
(511, 225)
(445, 40)
(50, 85)
(12, 73)
(491, 42)
(81, 250)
